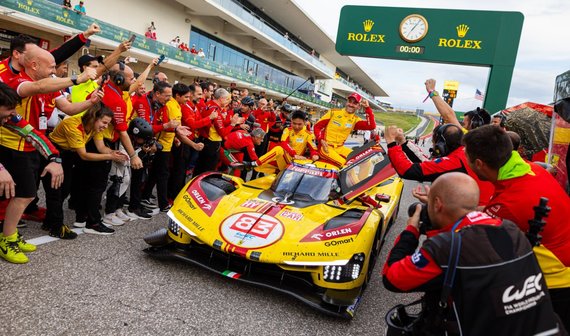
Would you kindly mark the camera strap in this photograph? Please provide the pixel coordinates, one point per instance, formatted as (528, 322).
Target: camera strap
(452, 262)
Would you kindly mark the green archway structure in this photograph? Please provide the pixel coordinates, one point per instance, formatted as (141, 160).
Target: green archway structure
(468, 37)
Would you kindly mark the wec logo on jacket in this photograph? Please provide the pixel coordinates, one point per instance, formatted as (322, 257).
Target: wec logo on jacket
(523, 296)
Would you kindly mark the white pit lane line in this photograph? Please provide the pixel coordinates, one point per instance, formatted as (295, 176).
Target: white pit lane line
(48, 239)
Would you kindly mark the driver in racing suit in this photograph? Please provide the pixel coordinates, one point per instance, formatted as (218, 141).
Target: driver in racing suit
(333, 129)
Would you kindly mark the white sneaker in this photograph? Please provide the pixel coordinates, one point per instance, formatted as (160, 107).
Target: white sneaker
(122, 216)
(112, 219)
(153, 212)
(79, 224)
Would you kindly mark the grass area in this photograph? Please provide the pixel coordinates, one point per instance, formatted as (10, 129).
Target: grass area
(429, 128)
(402, 120)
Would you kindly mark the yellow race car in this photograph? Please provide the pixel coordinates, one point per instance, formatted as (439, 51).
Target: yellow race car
(312, 231)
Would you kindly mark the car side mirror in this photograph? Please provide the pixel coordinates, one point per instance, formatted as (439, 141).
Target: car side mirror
(383, 198)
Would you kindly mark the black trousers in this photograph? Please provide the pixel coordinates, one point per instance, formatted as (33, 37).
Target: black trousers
(92, 182)
(56, 197)
(209, 157)
(137, 178)
(158, 176)
(180, 160)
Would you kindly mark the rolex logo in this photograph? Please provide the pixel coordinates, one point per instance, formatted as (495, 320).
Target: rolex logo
(368, 25)
(462, 30)
(65, 14)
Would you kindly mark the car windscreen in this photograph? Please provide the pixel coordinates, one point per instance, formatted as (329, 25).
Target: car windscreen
(303, 187)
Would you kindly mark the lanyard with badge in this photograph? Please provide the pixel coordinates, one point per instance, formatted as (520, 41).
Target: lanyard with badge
(43, 122)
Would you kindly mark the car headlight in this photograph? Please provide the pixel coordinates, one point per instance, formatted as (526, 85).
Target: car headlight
(173, 227)
(349, 272)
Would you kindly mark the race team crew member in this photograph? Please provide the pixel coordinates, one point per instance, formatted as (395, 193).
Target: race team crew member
(70, 137)
(18, 171)
(81, 91)
(471, 120)
(494, 260)
(449, 153)
(238, 143)
(12, 66)
(332, 130)
(519, 185)
(282, 122)
(183, 155)
(295, 142)
(212, 136)
(166, 118)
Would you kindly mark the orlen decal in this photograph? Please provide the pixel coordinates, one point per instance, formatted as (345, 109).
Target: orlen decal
(292, 215)
(252, 204)
(202, 201)
(249, 230)
(319, 234)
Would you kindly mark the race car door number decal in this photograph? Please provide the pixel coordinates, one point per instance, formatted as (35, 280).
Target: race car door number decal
(251, 230)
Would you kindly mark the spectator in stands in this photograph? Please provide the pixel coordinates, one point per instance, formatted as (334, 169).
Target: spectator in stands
(519, 185)
(80, 9)
(193, 50)
(201, 53)
(175, 42)
(67, 4)
(151, 32)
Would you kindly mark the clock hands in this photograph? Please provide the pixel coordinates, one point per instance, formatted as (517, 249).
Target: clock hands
(414, 27)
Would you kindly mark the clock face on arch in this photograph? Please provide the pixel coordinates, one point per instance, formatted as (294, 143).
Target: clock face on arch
(413, 28)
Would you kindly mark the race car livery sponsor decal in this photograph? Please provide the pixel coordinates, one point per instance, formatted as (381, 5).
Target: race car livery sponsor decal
(249, 230)
(252, 204)
(200, 199)
(292, 215)
(296, 254)
(189, 201)
(313, 171)
(339, 242)
(319, 234)
(189, 220)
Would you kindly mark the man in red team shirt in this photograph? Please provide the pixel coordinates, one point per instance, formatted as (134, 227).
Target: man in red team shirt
(519, 185)
(449, 157)
(19, 45)
(239, 142)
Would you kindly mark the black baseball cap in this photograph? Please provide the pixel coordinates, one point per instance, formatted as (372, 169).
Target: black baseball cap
(87, 58)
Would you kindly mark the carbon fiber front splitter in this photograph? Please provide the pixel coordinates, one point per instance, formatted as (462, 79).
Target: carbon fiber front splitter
(337, 303)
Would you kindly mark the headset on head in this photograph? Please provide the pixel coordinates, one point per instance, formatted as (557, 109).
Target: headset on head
(119, 77)
(440, 147)
(503, 122)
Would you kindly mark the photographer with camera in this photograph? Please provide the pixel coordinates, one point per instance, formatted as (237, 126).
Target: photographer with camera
(478, 273)
(145, 146)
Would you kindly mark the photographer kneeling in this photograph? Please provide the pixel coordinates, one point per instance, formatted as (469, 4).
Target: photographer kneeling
(479, 274)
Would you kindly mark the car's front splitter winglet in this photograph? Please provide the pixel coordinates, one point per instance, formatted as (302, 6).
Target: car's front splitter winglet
(295, 284)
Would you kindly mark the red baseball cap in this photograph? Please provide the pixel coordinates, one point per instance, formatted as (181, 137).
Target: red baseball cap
(356, 97)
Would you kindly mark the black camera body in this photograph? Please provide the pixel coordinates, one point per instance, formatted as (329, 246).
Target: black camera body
(425, 223)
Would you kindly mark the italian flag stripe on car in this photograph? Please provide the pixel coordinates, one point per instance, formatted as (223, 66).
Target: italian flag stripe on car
(231, 274)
